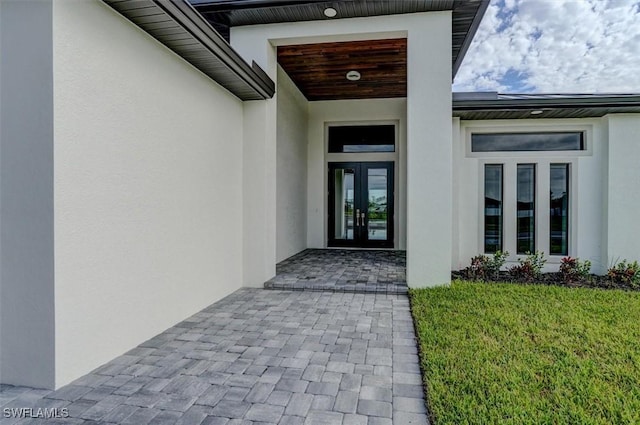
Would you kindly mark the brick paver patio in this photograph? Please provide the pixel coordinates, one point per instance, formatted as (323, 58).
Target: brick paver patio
(257, 357)
(339, 270)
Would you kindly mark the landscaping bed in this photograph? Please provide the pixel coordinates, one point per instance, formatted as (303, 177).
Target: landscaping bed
(529, 354)
(591, 281)
(573, 272)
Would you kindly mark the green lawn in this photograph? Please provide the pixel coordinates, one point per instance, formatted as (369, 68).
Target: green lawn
(529, 354)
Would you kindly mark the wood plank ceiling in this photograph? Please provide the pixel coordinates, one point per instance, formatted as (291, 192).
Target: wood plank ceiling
(319, 70)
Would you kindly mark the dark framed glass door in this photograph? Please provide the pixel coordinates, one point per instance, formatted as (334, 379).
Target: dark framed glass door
(361, 204)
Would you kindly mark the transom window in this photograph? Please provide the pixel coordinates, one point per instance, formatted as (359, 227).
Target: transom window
(362, 138)
(527, 142)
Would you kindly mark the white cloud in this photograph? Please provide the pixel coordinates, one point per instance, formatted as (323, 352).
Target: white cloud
(555, 46)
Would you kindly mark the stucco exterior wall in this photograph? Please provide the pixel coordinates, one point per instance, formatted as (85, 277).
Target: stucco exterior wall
(623, 195)
(148, 187)
(587, 199)
(291, 168)
(429, 152)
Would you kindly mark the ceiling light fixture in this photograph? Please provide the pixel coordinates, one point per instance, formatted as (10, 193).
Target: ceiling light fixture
(353, 75)
(330, 12)
(536, 112)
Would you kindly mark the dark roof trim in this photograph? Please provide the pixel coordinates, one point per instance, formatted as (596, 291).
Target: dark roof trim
(491, 105)
(204, 48)
(225, 14)
(484, 4)
(226, 6)
(506, 102)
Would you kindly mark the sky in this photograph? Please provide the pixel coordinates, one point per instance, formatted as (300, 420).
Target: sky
(555, 46)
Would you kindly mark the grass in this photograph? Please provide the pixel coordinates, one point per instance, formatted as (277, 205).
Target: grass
(529, 354)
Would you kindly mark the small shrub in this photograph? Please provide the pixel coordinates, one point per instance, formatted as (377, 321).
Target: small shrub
(574, 270)
(529, 268)
(624, 272)
(485, 267)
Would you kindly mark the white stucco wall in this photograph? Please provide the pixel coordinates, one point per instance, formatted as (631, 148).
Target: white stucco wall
(259, 193)
(623, 195)
(369, 111)
(291, 168)
(429, 152)
(587, 199)
(148, 187)
(259, 173)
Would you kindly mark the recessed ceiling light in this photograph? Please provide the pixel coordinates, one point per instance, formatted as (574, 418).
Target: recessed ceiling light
(353, 75)
(536, 112)
(330, 12)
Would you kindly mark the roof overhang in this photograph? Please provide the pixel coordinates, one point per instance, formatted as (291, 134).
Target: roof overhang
(224, 14)
(177, 25)
(490, 106)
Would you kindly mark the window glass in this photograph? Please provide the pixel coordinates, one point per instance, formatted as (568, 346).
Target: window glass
(526, 207)
(362, 138)
(559, 209)
(493, 211)
(522, 142)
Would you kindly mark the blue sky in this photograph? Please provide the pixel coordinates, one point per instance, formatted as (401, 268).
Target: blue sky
(555, 46)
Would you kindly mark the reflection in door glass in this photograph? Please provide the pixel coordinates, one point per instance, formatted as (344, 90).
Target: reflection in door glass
(344, 198)
(377, 211)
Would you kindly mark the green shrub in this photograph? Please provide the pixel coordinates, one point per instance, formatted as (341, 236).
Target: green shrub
(574, 270)
(486, 267)
(530, 267)
(624, 272)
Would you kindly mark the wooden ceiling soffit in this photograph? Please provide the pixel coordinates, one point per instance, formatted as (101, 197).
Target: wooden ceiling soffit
(319, 70)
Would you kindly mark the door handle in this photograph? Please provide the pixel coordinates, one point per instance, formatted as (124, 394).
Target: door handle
(362, 218)
(358, 217)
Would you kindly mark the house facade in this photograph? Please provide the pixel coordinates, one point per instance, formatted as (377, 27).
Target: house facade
(571, 192)
(156, 156)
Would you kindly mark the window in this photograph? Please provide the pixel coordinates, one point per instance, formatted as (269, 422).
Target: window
(526, 208)
(559, 209)
(492, 208)
(362, 138)
(523, 142)
(513, 194)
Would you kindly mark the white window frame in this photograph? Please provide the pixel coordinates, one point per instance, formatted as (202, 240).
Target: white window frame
(542, 161)
(586, 129)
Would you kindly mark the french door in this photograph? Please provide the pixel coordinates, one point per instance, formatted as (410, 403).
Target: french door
(361, 204)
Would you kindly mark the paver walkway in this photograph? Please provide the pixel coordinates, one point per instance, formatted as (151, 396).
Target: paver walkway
(340, 270)
(257, 357)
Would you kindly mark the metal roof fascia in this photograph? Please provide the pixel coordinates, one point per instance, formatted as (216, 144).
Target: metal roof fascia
(484, 4)
(193, 23)
(196, 25)
(226, 6)
(516, 104)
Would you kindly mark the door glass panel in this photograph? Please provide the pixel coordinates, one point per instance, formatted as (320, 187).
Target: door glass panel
(526, 208)
(344, 202)
(378, 189)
